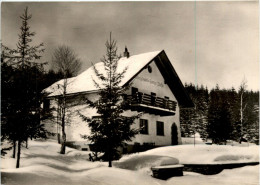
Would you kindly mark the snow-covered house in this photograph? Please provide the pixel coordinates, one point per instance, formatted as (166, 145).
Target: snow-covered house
(156, 90)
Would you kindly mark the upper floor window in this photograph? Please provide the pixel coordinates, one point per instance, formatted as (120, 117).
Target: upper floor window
(134, 90)
(46, 104)
(144, 126)
(160, 128)
(150, 69)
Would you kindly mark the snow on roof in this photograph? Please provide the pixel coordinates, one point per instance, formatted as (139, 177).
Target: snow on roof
(84, 81)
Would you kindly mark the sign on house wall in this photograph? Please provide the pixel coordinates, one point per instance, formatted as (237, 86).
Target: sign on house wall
(151, 80)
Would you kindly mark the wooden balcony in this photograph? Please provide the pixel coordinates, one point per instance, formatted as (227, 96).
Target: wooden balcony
(151, 104)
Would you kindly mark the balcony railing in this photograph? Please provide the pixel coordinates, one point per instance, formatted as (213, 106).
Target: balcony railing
(153, 102)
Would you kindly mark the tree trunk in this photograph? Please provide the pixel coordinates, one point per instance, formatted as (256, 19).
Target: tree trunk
(241, 114)
(14, 148)
(63, 140)
(63, 146)
(18, 154)
(109, 163)
(26, 144)
(58, 118)
(58, 135)
(109, 157)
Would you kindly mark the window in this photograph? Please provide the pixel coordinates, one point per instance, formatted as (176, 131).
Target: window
(144, 126)
(150, 69)
(134, 90)
(96, 117)
(160, 128)
(46, 104)
(135, 94)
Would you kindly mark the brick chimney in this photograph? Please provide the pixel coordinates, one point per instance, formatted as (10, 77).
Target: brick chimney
(126, 53)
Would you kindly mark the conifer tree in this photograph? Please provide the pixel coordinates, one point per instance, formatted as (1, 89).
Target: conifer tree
(27, 54)
(195, 119)
(187, 115)
(219, 117)
(202, 111)
(22, 93)
(7, 103)
(233, 102)
(111, 129)
(251, 117)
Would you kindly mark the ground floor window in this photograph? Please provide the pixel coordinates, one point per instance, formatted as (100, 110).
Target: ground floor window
(144, 126)
(96, 117)
(160, 128)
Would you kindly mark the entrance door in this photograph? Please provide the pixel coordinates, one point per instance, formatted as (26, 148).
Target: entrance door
(174, 134)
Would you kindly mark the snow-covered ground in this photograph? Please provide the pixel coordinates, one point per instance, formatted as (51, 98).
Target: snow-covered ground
(42, 164)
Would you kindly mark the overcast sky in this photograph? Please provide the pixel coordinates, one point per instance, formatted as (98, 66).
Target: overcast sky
(227, 35)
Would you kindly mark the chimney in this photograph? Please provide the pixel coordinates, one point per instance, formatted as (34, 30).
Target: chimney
(126, 53)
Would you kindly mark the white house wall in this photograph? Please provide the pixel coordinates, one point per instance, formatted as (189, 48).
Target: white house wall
(75, 126)
(152, 136)
(147, 82)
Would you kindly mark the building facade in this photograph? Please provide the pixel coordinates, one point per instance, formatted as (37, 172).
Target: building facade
(155, 90)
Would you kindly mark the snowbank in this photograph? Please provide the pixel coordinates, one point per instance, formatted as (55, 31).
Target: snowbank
(248, 175)
(97, 176)
(143, 163)
(47, 153)
(42, 164)
(115, 176)
(208, 154)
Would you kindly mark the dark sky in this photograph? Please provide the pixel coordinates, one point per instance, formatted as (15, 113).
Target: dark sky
(227, 40)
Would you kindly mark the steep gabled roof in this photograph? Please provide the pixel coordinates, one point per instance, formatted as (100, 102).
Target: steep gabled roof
(172, 79)
(83, 83)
